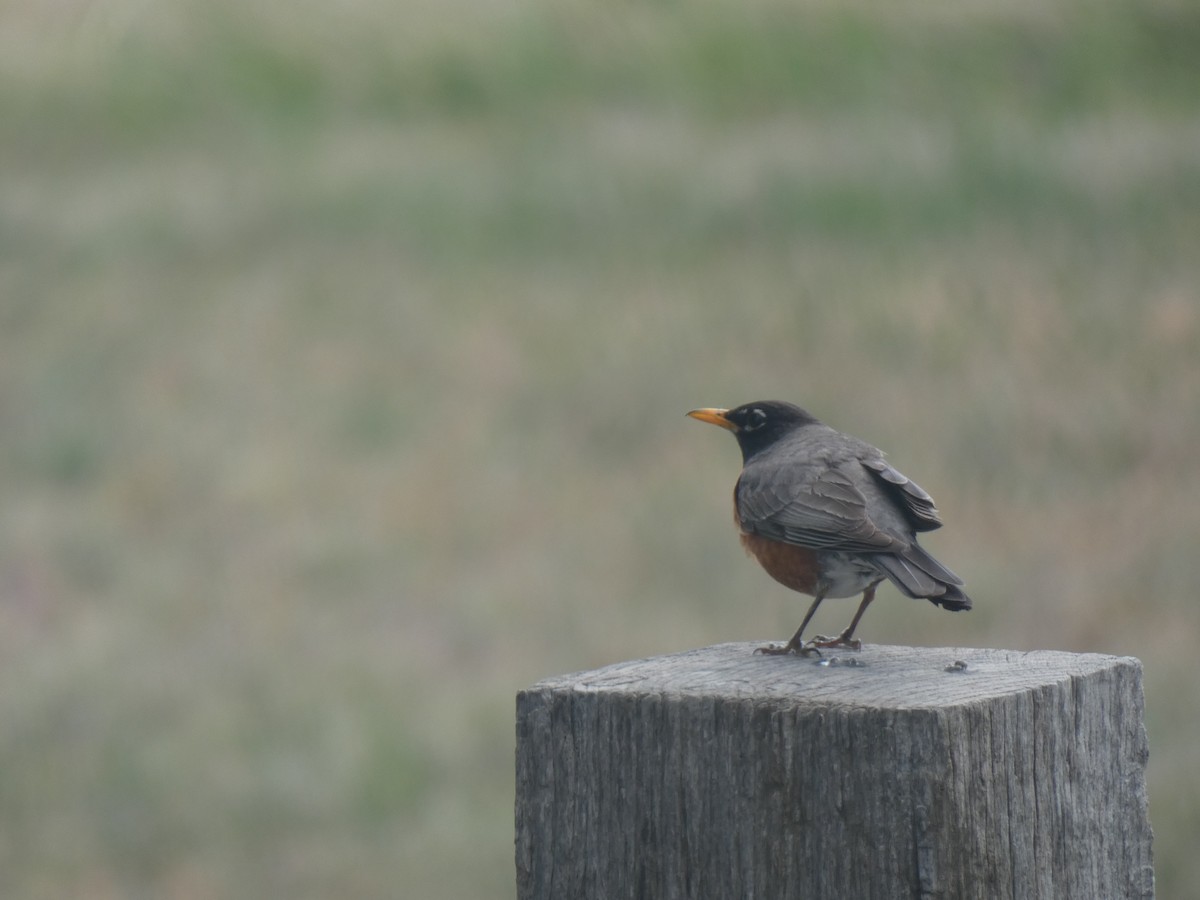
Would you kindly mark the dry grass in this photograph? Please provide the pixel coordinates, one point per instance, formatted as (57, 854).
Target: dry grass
(344, 356)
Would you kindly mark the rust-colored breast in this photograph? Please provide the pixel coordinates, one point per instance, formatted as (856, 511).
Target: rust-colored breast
(792, 566)
(795, 567)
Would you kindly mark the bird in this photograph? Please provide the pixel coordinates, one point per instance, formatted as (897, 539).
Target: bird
(825, 514)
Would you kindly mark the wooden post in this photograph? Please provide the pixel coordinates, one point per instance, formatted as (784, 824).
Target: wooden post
(891, 773)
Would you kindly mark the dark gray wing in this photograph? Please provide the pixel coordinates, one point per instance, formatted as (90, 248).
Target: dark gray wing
(824, 511)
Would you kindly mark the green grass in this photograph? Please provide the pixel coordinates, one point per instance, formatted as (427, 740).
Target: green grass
(343, 360)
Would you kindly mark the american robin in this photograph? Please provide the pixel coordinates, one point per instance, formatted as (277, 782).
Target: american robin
(825, 515)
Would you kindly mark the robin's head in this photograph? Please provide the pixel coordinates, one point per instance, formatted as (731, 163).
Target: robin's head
(756, 425)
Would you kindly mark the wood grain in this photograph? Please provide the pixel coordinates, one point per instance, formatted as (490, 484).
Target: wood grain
(890, 773)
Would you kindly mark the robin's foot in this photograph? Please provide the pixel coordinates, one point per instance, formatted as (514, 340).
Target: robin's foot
(841, 642)
(789, 648)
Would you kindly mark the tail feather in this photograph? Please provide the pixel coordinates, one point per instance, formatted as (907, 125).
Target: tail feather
(954, 599)
(919, 575)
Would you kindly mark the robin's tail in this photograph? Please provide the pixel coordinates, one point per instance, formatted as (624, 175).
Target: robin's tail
(919, 575)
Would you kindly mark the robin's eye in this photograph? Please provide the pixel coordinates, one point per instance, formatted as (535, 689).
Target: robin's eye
(756, 418)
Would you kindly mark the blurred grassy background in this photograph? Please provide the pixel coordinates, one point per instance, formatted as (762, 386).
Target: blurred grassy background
(344, 351)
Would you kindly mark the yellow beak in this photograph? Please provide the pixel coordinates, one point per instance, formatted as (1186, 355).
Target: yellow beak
(713, 416)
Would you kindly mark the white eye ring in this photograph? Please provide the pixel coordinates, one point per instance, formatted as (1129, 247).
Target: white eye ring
(756, 419)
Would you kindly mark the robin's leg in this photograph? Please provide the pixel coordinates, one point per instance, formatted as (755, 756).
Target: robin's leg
(796, 644)
(846, 638)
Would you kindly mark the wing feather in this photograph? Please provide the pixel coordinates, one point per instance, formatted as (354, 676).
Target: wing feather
(825, 512)
(914, 500)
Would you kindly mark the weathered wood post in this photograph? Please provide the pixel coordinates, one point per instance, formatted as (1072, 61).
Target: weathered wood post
(892, 773)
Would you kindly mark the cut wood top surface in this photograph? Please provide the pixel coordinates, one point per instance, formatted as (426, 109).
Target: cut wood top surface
(878, 676)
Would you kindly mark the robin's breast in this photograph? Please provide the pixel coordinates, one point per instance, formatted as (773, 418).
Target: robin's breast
(796, 567)
(807, 571)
